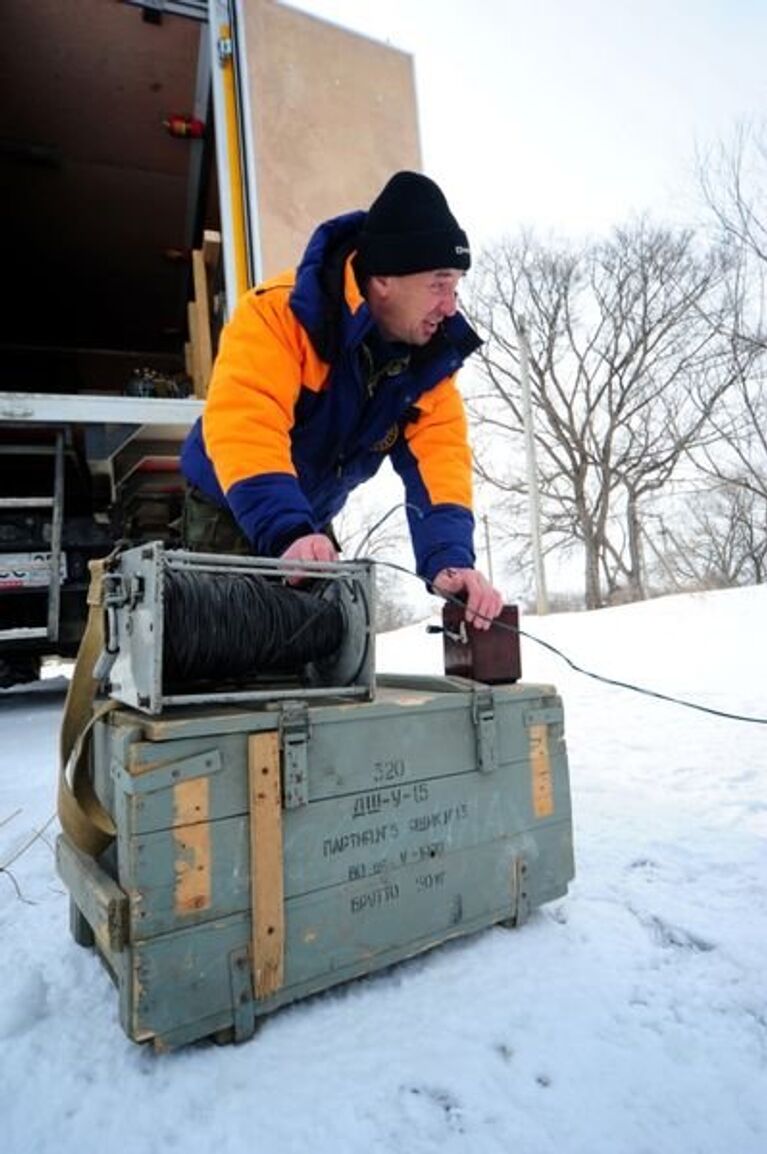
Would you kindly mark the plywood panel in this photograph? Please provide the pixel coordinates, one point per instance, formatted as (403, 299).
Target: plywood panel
(334, 116)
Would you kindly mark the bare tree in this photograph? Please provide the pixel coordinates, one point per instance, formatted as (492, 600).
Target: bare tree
(738, 457)
(721, 542)
(626, 369)
(734, 465)
(733, 179)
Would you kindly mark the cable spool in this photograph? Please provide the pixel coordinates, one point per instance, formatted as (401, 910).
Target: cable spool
(345, 665)
(235, 626)
(185, 628)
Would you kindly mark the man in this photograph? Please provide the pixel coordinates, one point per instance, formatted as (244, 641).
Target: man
(323, 372)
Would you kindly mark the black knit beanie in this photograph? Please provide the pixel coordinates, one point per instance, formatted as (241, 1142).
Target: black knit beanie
(410, 228)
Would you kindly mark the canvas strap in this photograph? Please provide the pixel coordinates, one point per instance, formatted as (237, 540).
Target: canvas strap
(82, 816)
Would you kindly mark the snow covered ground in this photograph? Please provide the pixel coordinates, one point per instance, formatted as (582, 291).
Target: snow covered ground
(629, 1017)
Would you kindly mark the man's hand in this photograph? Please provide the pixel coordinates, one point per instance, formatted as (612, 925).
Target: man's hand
(483, 602)
(312, 547)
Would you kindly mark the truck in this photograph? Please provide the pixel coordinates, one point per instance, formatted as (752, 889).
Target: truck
(157, 159)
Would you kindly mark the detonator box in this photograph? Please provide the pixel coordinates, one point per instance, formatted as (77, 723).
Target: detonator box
(491, 655)
(266, 853)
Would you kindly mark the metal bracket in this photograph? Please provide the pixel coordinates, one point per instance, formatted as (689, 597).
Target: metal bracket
(483, 713)
(294, 731)
(194, 9)
(520, 885)
(118, 594)
(546, 716)
(198, 765)
(240, 981)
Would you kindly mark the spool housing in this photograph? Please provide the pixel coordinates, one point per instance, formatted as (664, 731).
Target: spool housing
(134, 600)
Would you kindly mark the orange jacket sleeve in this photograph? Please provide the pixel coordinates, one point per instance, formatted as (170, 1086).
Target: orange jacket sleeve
(263, 360)
(439, 443)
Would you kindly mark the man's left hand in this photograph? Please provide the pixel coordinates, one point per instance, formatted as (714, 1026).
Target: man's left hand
(311, 547)
(483, 601)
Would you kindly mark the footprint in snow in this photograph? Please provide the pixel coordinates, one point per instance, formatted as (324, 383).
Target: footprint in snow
(669, 936)
(24, 1004)
(433, 1098)
(643, 863)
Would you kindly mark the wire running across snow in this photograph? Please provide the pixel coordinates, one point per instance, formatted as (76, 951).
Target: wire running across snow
(750, 719)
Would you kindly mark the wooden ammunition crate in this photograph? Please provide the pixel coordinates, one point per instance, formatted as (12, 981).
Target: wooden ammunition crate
(265, 854)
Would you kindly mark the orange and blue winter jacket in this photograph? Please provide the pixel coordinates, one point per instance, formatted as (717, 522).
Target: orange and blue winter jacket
(306, 400)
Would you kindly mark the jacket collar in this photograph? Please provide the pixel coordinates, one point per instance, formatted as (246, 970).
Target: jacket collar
(326, 299)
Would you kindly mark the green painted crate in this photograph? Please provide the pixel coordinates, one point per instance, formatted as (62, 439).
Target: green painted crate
(437, 809)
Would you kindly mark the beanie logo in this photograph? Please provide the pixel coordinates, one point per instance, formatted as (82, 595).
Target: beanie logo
(461, 250)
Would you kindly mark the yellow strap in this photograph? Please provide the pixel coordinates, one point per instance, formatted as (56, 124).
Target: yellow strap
(235, 193)
(82, 816)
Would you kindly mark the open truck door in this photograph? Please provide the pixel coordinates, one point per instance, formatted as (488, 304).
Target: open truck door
(160, 157)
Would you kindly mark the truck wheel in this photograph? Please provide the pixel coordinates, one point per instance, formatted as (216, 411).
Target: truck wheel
(19, 669)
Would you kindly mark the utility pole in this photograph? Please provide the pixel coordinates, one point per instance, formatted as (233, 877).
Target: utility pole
(542, 600)
(487, 549)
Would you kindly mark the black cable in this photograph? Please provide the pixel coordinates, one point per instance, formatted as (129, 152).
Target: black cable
(206, 638)
(229, 626)
(408, 506)
(495, 624)
(638, 688)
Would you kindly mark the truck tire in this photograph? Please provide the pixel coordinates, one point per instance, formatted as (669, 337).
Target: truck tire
(18, 669)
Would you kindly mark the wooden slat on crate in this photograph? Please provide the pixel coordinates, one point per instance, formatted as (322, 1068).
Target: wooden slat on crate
(268, 937)
(98, 898)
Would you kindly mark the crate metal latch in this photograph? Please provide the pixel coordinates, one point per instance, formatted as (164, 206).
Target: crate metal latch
(294, 732)
(483, 712)
(520, 889)
(241, 986)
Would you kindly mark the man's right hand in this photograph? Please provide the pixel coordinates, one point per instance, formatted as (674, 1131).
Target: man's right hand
(312, 547)
(483, 602)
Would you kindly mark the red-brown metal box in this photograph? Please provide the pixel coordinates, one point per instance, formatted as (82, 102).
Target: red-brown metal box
(489, 655)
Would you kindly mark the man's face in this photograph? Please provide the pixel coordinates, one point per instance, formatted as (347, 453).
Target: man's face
(410, 308)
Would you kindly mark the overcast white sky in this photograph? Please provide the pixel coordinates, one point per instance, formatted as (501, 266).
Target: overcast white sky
(570, 115)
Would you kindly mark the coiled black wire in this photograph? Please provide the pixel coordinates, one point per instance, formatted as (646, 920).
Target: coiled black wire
(236, 626)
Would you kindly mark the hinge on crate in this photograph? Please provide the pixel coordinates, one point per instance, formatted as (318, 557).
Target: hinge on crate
(294, 730)
(240, 981)
(520, 887)
(483, 713)
(523, 891)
